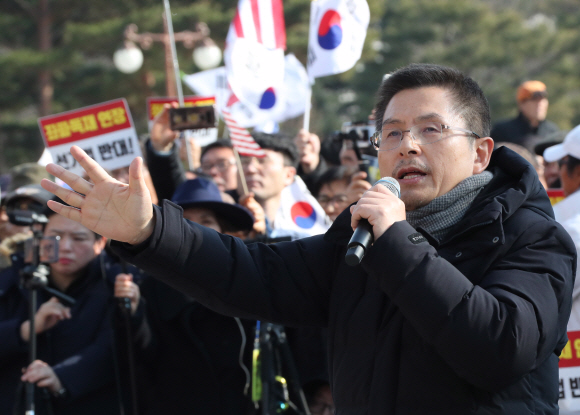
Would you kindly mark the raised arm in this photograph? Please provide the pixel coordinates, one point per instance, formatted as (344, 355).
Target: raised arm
(115, 210)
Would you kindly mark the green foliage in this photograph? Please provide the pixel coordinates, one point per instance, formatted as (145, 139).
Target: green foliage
(498, 42)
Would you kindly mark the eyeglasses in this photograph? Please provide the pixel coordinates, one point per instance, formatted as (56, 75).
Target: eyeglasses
(425, 133)
(537, 96)
(221, 165)
(324, 200)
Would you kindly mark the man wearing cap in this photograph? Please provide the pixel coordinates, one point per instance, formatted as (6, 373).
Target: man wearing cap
(551, 169)
(567, 212)
(530, 125)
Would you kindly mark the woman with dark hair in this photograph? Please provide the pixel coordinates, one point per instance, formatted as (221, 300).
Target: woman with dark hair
(74, 372)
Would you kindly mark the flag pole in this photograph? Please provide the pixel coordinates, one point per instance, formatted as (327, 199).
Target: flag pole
(173, 52)
(308, 106)
(241, 170)
(177, 74)
(306, 124)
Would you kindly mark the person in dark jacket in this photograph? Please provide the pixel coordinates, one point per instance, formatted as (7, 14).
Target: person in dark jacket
(459, 307)
(530, 126)
(74, 371)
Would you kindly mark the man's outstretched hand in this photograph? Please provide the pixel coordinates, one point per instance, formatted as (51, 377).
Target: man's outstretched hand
(106, 206)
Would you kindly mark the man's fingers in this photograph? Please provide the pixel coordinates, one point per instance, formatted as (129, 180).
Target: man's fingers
(66, 211)
(46, 382)
(95, 172)
(68, 196)
(77, 183)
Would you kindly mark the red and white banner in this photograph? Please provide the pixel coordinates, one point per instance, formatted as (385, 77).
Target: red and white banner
(203, 136)
(241, 139)
(254, 53)
(337, 34)
(104, 131)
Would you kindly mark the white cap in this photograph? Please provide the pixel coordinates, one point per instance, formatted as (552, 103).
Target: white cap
(569, 147)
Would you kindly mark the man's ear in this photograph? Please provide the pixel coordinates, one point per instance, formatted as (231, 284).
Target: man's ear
(99, 245)
(483, 149)
(290, 172)
(576, 177)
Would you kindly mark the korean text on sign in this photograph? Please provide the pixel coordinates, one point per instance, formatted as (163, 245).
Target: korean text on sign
(105, 131)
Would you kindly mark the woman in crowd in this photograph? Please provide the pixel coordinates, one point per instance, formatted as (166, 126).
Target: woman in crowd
(74, 372)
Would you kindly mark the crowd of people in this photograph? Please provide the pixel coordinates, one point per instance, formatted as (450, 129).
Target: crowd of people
(149, 339)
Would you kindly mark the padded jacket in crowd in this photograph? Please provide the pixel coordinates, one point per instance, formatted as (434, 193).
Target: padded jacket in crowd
(519, 131)
(471, 325)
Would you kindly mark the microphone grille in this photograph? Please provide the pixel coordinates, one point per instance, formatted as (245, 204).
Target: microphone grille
(391, 184)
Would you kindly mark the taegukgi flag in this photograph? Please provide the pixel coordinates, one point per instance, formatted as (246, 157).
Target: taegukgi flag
(290, 99)
(337, 33)
(254, 53)
(300, 211)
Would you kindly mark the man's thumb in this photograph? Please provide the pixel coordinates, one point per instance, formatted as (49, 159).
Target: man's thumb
(136, 177)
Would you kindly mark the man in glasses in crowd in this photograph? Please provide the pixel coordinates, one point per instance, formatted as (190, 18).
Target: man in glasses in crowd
(531, 125)
(459, 307)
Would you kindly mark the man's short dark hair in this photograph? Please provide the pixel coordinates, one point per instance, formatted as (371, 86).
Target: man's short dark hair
(223, 143)
(334, 174)
(280, 143)
(469, 99)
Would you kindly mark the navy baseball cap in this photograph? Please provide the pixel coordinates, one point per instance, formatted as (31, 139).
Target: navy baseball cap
(205, 194)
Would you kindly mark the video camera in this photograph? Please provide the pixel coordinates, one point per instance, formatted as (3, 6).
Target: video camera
(363, 130)
(356, 135)
(26, 206)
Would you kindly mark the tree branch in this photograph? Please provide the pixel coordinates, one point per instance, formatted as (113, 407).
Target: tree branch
(27, 7)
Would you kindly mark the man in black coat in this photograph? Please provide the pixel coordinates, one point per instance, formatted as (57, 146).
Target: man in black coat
(530, 126)
(459, 307)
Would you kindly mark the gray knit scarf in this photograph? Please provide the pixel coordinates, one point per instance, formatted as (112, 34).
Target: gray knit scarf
(439, 215)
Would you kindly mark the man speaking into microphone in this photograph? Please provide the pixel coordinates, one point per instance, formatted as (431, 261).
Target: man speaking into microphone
(458, 307)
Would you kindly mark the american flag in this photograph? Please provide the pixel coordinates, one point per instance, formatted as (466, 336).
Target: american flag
(241, 139)
(261, 21)
(254, 57)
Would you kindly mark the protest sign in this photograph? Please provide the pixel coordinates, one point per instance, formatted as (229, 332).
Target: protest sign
(104, 131)
(569, 382)
(555, 195)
